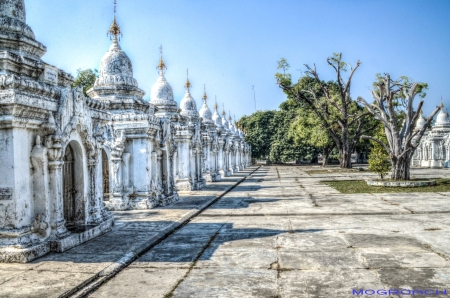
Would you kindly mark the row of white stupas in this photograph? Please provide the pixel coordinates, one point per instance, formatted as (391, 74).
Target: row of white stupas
(67, 159)
(434, 147)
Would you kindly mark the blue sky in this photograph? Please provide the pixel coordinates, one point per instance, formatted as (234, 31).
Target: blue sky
(234, 44)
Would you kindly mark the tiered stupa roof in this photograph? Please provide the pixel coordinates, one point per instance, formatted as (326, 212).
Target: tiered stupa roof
(187, 104)
(162, 93)
(115, 84)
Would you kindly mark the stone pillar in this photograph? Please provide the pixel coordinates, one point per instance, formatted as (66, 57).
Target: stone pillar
(55, 175)
(220, 165)
(116, 201)
(192, 167)
(154, 168)
(230, 161)
(185, 162)
(175, 162)
(39, 160)
(184, 182)
(96, 190)
(126, 170)
(434, 162)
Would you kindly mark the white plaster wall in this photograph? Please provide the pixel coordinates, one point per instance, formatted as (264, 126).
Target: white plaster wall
(23, 140)
(138, 162)
(7, 176)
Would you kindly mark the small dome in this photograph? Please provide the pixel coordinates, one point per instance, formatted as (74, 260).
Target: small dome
(205, 112)
(420, 122)
(442, 117)
(115, 62)
(224, 121)
(115, 68)
(161, 91)
(188, 106)
(231, 126)
(216, 117)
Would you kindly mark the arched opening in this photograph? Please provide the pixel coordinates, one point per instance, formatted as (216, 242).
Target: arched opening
(165, 171)
(73, 185)
(69, 186)
(105, 176)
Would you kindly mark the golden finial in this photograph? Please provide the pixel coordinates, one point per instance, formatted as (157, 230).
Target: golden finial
(223, 110)
(215, 104)
(205, 97)
(229, 115)
(114, 30)
(188, 84)
(161, 64)
(442, 104)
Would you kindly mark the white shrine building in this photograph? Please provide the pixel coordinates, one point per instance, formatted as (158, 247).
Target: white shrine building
(67, 160)
(434, 147)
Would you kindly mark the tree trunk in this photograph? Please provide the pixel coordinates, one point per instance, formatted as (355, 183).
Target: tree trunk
(345, 158)
(325, 154)
(400, 168)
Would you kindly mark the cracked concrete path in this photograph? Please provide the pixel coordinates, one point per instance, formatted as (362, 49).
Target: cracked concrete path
(59, 274)
(281, 233)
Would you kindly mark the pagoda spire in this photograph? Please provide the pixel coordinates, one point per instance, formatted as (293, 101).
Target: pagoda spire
(114, 29)
(188, 83)
(205, 97)
(161, 65)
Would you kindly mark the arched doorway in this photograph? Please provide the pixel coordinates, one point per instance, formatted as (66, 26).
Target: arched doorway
(105, 176)
(73, 185)
(69, 186)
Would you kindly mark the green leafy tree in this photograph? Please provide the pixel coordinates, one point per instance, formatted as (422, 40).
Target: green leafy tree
(284, 147)
(307, 127)
(268, 134)
(340, 117)
(258, 131)
(379, 161)
(85, 78)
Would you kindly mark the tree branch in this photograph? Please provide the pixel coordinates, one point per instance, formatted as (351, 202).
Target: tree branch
(378, 141)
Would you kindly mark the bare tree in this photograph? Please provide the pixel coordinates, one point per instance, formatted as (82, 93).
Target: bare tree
(393, 102)
(340, 116)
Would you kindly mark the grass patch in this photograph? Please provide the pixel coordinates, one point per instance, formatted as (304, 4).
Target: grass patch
(334, 171)
(360, 186)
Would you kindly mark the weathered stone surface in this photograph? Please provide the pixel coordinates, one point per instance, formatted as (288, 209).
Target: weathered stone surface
(401, 183)
(68, 159)
(142, 282)
(347, 242)
(134, 232)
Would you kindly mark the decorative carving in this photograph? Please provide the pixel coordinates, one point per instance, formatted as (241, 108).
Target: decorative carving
(11, 81)
(40, 226)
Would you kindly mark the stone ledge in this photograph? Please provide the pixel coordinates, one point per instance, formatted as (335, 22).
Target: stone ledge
(401, 183)
(23, 255)
(76, 239)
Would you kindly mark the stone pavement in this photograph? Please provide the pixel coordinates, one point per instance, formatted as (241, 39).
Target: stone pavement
(281, 233)
(61, 274)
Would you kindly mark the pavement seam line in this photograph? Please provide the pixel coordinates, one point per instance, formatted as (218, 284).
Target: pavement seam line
(194, 263)
(96, 281)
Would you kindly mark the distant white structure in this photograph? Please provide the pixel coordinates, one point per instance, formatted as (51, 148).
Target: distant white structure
(434, 148)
